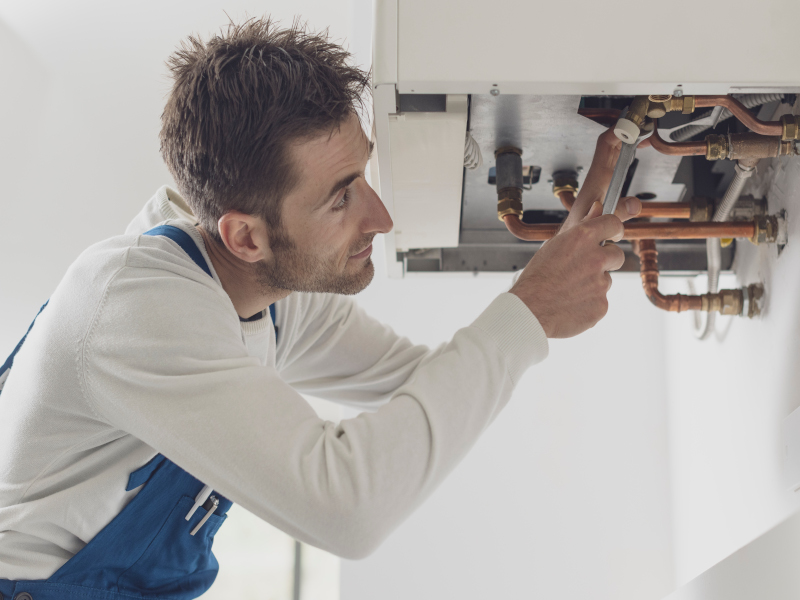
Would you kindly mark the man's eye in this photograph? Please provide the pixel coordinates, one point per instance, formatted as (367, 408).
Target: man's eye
(343, 202)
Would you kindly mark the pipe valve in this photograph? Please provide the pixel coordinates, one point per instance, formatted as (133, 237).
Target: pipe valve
(509, 181)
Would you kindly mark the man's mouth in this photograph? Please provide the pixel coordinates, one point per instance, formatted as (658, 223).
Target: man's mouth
(364, 253)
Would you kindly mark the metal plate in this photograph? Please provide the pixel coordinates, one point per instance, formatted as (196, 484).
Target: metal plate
(553, 136)
(494, 255)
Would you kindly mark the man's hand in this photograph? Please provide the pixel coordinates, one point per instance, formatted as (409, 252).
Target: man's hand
(566, 282)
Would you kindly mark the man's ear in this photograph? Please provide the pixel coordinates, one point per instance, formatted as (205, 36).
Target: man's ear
(245, 236)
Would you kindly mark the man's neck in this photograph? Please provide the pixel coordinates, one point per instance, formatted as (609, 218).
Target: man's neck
(239, 279)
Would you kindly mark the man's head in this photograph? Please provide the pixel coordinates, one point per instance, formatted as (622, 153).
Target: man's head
(258, 121)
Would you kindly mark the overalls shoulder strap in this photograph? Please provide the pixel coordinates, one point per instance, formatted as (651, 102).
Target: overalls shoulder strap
(185, 241)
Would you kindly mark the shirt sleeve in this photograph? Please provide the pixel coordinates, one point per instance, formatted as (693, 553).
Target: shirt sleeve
(331, 348)
(164, 361)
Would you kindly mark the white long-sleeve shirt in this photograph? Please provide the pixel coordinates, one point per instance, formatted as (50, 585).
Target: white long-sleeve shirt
(140, 352)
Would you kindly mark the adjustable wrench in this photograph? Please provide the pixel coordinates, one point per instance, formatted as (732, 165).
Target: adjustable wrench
(626, 156)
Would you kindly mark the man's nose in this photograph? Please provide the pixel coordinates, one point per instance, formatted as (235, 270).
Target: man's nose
(376, 217)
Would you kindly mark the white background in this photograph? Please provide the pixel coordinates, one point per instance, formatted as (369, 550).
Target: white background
(631, 460)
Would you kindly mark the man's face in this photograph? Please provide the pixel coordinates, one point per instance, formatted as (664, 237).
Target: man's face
(329, 219)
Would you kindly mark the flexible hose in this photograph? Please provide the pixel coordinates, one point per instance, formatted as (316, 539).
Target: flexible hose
(473, 158)
(749, 100)
(713, 248)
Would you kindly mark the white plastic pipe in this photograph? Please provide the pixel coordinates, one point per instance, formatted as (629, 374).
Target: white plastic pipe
(713, 248)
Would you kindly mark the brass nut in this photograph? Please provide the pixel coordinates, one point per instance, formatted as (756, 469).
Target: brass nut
(732, 302)
(710, 303)
(791, 127)
(702, 210)
(656, 110)
(716, 147)
(507, 149)
(638, 110)
(688, 105)
(557, 189)
(509, 206)
(755, 292)
(766, 230)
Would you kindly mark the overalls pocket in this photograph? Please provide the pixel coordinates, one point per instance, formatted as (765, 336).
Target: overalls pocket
(175, 555)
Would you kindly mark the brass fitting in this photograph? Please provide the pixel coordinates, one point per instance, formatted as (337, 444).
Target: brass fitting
(685, 104)
(656, 110)
(738, 146)
(565, 181)
(753, 295)
(509, 181)
(506, 150)
(791, 127)
(726, 302)
(732, 302)
(509, 206)
(766, 230)
(702, 210)
(716, 147)
(660, 97)
(744, 302)
(638, 110)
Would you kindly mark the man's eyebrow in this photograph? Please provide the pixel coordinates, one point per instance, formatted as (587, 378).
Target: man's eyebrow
(348, 179)
(342, 183)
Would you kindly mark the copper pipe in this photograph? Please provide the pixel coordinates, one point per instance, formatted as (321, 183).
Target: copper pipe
(642, 231)
(676, 148)
(567, 199)
(603, 116)
(656, 210)
(648, 258)
(740, 111)
(726, 302)
(666, 210)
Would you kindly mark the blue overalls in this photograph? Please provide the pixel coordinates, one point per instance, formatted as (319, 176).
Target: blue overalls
(159, 545)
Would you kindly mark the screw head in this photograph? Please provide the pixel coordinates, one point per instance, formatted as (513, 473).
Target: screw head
(579, 169)
(678, 93)
(494, 92)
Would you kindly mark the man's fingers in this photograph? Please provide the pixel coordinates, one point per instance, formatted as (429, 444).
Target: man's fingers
(614, 257)
(606, 227)
(628, 208)
(595, 210)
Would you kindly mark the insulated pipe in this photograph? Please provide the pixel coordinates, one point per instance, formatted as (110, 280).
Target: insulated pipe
(744, 170)
(740, 112)
(642, 231)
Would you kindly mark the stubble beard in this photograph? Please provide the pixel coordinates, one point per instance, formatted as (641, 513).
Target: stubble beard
(297, 271)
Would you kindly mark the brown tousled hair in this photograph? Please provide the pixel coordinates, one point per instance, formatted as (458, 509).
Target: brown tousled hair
(239, 101)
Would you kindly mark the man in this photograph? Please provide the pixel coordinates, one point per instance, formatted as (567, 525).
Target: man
(162, 381)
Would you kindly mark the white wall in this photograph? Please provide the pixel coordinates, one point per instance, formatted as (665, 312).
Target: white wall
(567, 495)
(84, 84)
(727, 400)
